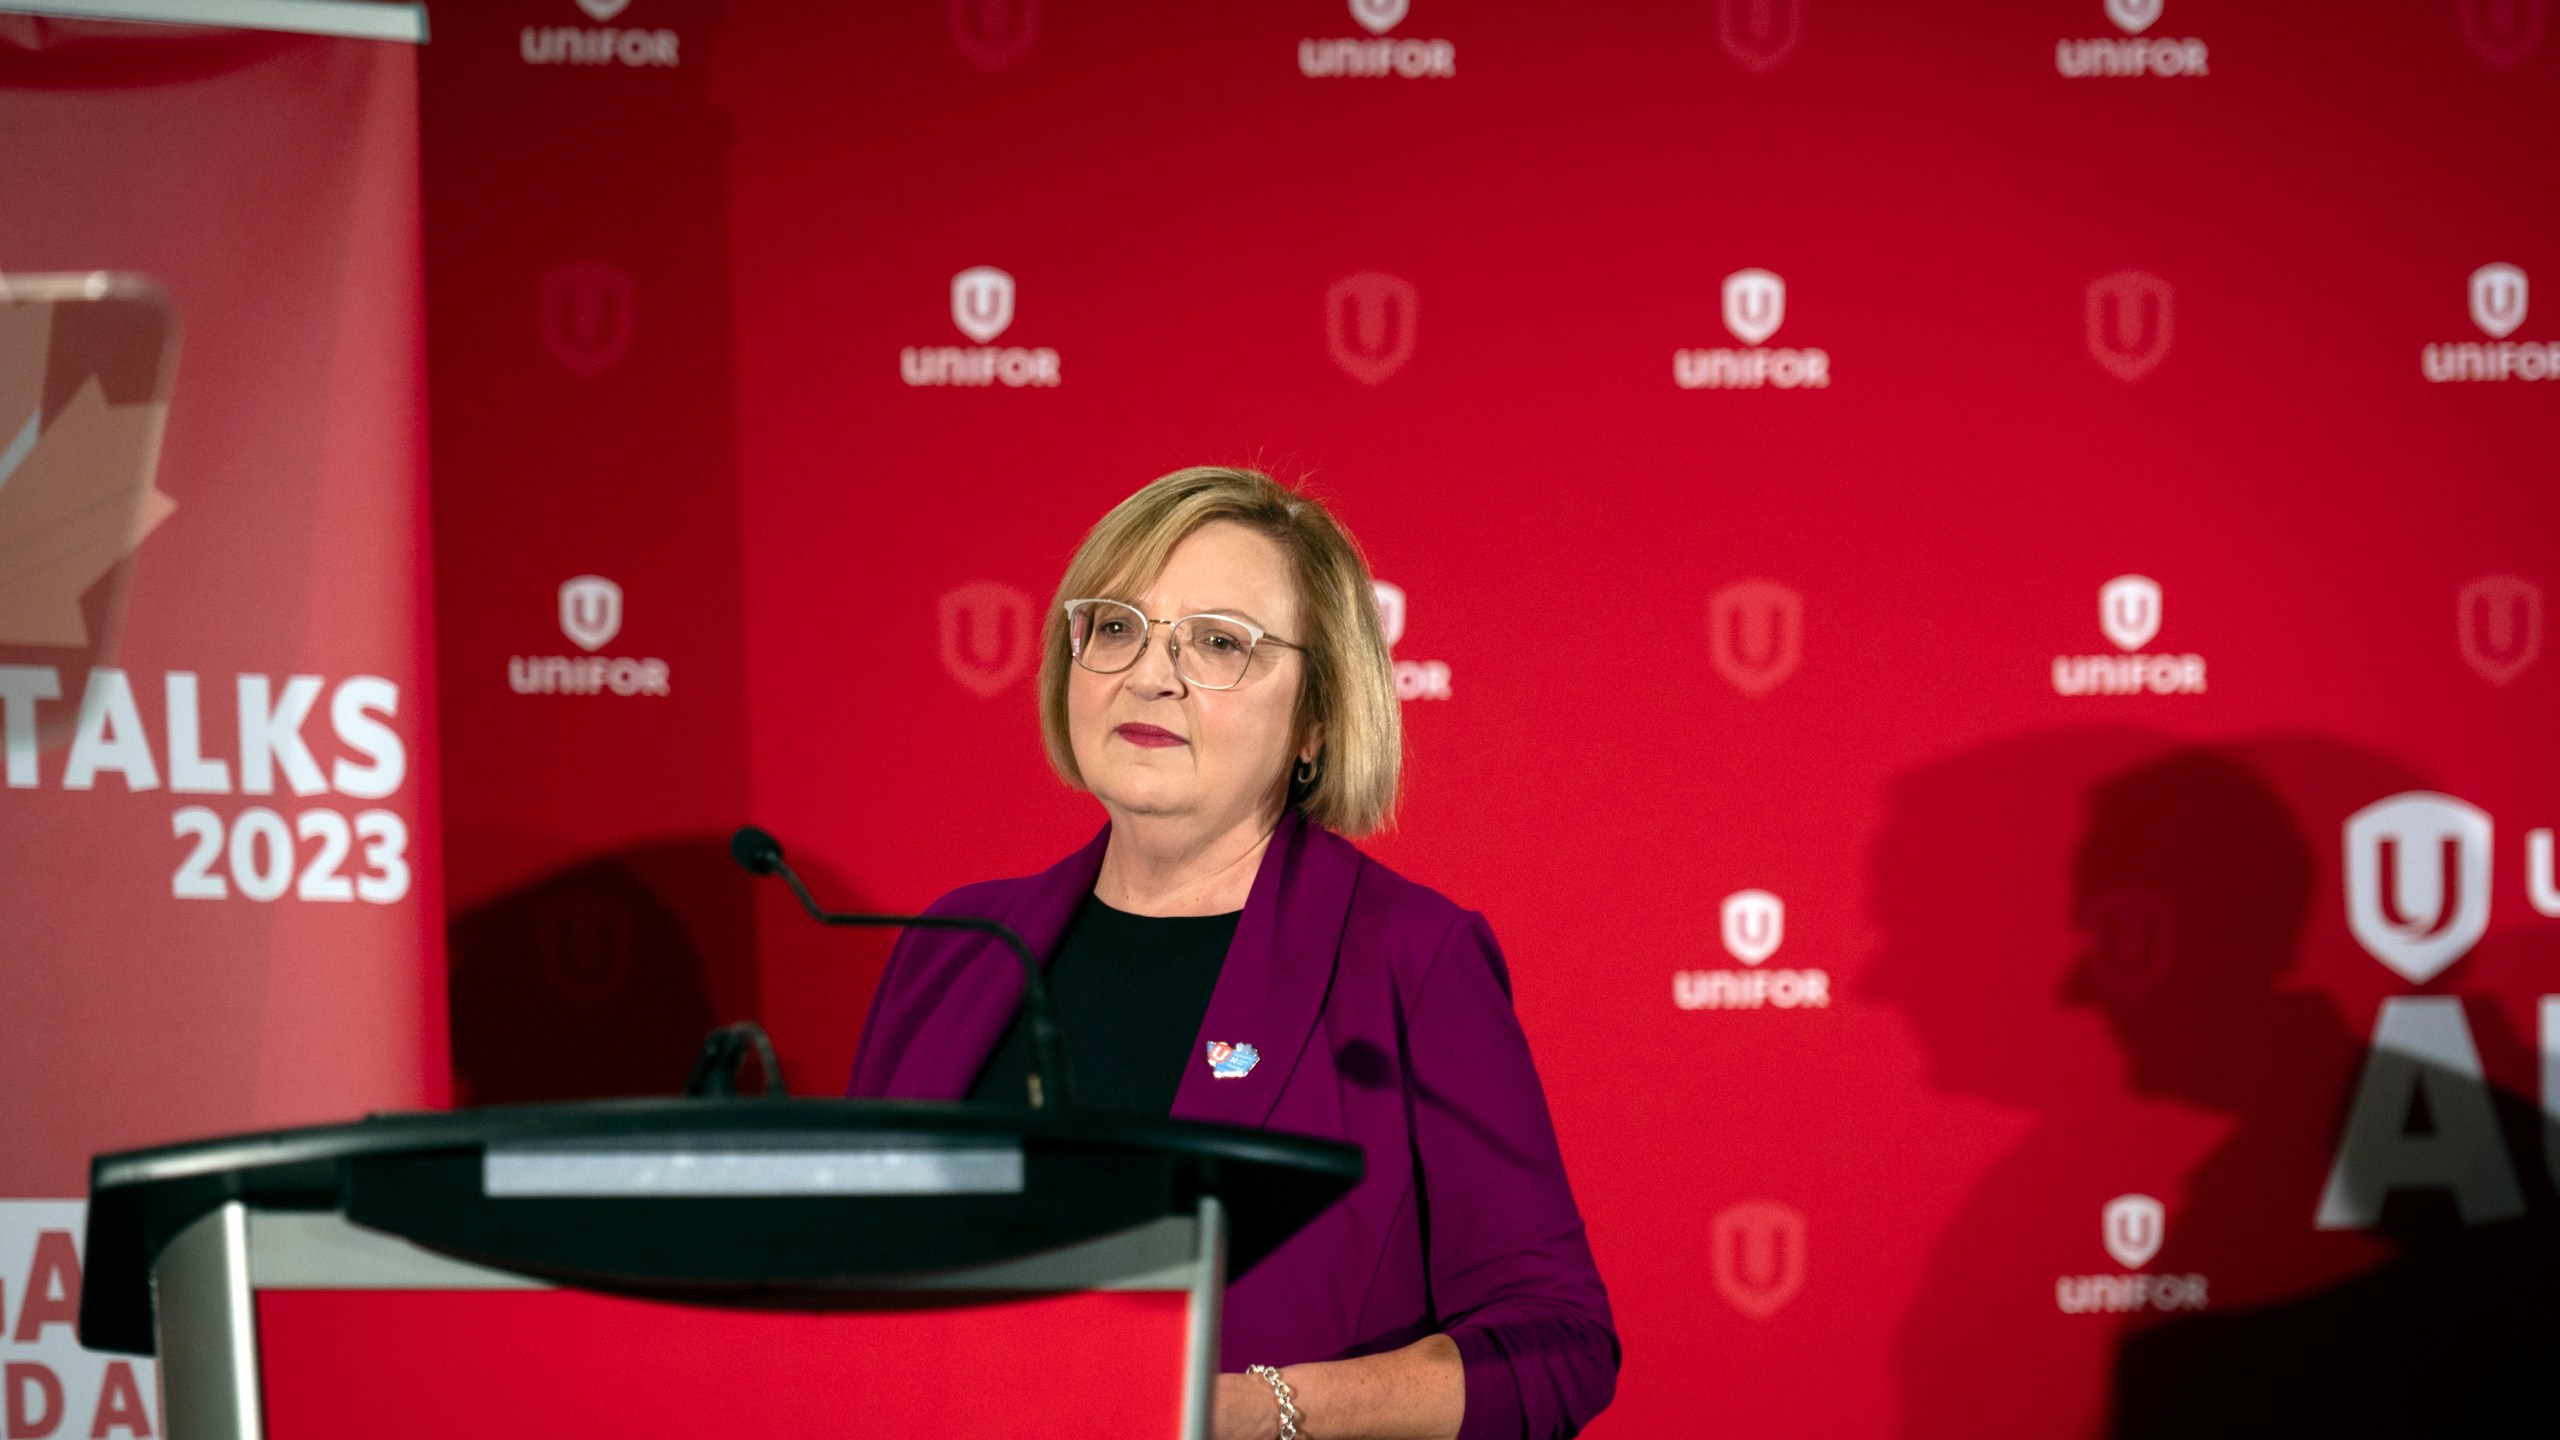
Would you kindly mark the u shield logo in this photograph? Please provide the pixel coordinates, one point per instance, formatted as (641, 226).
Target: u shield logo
(1760, 35)
(1379, 16)
(588, 314)
(986, 636)
(1370, 321)
(2498, 619)
(2502, 32)
(590, 611)
(1755, 305)
(982, 302)
(1754, 925)
(2498, 298)
(1391, 609)
(2134, 16)
(2132, 941)
(2129, 611)
(1755, 634)
(1757, 1249)
(584, 939)
(2132, 1227)
(992, 34)
(2130, 323)
(2418, 881)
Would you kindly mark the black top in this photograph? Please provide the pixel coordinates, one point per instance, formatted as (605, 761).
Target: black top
(1131, 991)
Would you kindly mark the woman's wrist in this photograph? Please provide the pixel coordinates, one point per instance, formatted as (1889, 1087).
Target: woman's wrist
(1244, 1409)
(1284, 1398)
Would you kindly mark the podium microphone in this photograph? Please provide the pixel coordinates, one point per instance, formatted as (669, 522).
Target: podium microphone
(761, 854)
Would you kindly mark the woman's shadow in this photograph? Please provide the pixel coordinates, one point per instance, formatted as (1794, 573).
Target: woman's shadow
(2107, 931)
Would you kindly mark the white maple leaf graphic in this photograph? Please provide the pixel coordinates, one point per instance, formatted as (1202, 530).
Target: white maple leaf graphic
(76, 496)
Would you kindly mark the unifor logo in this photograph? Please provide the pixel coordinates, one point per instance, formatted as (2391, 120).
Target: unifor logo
(2129, 321)
(1760, 35)
(1369, 324)
(1755, 305)
(588, 316)
(601, 11)
(1757, 1249)
(1379, 16)
(2132, 1227)
(1755, 634)
(1390, 610)
(2132, 940)
(986, 636)
(2133, 16)
(2418, 881)
(584, 941)
(2129, 611)
(2498, 619)
(992, 34)
(590, 611)
(982, 302)
(1754, 924)
(2501, 32)
(2497, 299)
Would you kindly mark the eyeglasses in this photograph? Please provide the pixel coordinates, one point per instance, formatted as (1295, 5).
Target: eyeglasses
(1211, 651)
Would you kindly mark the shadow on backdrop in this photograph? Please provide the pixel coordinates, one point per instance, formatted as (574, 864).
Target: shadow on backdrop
(600, 980)
(2108, 932)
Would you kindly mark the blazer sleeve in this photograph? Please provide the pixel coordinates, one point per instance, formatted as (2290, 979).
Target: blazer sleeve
(919, 971)
(1512, 1277)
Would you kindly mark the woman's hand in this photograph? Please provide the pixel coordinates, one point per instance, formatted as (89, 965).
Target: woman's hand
(1416, 1393)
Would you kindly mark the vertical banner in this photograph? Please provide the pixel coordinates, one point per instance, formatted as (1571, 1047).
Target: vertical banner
(216, 844)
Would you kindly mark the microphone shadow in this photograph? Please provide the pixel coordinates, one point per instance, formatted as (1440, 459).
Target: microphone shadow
(601, 979)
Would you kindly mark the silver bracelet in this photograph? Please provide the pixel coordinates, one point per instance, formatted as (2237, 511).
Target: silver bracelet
(1281, 1392)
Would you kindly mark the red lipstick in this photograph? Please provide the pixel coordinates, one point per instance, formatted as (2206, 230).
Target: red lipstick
(1153, 737)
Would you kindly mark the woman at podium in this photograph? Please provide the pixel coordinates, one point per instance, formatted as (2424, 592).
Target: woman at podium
(1214, 672)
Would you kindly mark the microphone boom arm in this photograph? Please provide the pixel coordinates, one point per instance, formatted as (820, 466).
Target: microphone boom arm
(1047, 1077)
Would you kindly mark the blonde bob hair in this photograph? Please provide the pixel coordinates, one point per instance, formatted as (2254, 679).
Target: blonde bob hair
(1350, 685)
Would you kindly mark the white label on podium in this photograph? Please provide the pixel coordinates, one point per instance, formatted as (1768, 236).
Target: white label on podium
(559, 1172)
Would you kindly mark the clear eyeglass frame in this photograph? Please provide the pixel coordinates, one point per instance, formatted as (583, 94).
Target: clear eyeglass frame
(1175, 649)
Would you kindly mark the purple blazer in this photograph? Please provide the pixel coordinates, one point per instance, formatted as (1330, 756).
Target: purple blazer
(1383, 1016)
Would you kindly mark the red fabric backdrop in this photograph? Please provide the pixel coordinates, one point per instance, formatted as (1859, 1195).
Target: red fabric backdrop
(1668, 635)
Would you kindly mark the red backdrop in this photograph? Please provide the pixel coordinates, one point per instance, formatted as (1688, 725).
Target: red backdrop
(2096, 992)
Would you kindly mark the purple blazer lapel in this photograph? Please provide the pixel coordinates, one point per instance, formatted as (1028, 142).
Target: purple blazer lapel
(986, 983)
(1278, 970)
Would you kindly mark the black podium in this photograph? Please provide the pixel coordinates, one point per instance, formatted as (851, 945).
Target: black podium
(671, 1214)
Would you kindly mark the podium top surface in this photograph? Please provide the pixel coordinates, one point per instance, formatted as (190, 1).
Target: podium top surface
(749, 1202)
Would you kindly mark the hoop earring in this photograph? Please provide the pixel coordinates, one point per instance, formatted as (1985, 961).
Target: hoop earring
(1306, 772)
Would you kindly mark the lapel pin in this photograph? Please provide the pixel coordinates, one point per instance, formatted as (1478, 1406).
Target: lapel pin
(1232, 1062)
